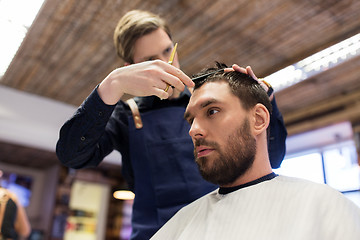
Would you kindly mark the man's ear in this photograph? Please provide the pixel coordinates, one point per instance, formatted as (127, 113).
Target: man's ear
(261, 118)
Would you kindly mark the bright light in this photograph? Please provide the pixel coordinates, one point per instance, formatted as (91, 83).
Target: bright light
(316, 63)
(16, 16)
(124, 195)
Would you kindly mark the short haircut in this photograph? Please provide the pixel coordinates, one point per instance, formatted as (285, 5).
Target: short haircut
(246, 88)
(133, 25)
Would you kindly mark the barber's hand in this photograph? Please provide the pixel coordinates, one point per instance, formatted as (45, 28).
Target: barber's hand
(143, 79)
(250, 72)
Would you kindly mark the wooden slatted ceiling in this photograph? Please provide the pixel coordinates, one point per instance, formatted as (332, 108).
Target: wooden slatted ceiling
(336, 82)
(69, 48)
(322, 100)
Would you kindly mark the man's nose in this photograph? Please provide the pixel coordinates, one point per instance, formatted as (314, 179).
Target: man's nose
(196, 131)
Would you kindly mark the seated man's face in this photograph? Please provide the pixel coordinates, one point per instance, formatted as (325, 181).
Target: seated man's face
(152, 46)
(224, 147)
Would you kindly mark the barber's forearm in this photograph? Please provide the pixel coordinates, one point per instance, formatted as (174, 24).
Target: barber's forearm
(83, 140)
(108, 90)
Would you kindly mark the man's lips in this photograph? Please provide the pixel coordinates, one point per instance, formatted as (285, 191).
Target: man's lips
(203, 151)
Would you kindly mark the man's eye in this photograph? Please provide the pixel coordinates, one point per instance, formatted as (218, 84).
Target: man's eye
(190, 121)
(212, 111)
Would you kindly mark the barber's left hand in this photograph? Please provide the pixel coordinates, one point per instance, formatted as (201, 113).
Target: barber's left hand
(250, 72)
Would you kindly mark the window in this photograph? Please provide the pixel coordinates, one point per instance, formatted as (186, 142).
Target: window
(335, 165)
(299, 167)
(342, 169)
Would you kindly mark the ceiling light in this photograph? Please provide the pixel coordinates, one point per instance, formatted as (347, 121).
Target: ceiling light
(14, 24)
(319, 62)
(124, 195)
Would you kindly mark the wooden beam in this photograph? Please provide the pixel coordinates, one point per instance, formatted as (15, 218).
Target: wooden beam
(350, 113)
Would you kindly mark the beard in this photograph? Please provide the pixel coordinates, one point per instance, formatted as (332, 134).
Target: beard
(234, 159)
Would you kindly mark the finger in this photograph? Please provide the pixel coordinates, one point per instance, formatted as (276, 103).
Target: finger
(184, 79)
(175, 81)
(239, 69)
(161, 93)
(162, 85)
(166, 87)
(170, 91)
(229, 70)
(172, 81)
(251, 73)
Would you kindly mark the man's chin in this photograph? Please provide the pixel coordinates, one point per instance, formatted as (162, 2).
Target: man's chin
(203, 162)
(204, 165)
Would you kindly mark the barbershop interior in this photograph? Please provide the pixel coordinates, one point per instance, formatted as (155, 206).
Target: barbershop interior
(55, 52)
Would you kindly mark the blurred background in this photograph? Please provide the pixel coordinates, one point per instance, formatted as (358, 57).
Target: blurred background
(54, 52)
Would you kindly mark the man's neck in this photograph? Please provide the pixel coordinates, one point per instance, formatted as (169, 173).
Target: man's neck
(259, 168)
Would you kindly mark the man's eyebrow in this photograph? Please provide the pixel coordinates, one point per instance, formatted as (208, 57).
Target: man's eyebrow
(208, 102)
(202, 105)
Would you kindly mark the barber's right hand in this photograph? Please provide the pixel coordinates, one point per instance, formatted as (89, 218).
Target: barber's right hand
(143, 79)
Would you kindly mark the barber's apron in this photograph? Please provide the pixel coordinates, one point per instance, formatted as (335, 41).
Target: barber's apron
(165, 173)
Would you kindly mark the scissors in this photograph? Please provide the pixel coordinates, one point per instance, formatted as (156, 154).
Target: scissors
(171, 60)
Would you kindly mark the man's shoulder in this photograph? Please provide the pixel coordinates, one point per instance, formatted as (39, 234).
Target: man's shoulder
(299, 186)
(200, 202)
(298, 182)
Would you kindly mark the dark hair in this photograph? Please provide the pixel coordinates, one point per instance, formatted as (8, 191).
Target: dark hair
(246, 88)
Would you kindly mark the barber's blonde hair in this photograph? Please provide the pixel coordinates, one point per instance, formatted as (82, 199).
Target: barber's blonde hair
(131, 27)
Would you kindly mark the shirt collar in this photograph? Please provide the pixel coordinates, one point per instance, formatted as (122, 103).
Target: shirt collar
(226, 190)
